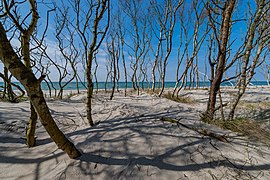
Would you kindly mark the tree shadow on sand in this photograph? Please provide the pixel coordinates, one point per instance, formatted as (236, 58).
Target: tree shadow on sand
(140, 145)
(134, 147)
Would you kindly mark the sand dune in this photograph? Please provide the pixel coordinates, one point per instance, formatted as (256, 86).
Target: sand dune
(130, 142)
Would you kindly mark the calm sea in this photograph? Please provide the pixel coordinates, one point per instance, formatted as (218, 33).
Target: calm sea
(101, 85)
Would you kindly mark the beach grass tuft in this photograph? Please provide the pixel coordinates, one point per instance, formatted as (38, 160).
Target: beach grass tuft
(180, 99)
(245, 126)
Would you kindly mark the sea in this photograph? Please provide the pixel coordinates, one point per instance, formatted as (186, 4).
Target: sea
(122, 85)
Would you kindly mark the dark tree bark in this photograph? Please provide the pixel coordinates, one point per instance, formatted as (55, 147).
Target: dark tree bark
(12, 97)
(101, 8)
(222, 52)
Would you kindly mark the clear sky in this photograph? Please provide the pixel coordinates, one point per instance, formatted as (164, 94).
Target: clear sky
(238, 29)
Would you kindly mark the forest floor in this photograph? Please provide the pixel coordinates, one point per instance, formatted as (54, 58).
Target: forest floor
(134, 139)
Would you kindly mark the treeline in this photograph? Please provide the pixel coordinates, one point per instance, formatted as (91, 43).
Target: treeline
(215, 41)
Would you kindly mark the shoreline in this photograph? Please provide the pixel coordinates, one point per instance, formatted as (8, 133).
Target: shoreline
(257, 84)
(193, 93)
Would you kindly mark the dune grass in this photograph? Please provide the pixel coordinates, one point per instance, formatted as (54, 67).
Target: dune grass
(180, 99)
(246, 127)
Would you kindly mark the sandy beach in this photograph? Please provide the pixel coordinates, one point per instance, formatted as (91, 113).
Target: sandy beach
(130, 140)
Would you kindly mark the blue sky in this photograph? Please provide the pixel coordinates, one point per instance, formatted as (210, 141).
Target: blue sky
(237, 36)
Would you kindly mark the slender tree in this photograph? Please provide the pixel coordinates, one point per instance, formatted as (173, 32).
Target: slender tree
(113, 48)
(12, 96)
(136, 12)
(165, 13)
(69, 53)
(121, 36)
(100, 9)
(257, 37)
(198, 36)
(222, 39)
(91, 24)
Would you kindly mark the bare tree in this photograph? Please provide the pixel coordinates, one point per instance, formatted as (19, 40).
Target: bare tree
(121, 36)
(91, 25)
(198, 36)
(165, 12)
(222, 39)
(10, 10)
(69, 52)
(26, 77)
(95, 71)
(100, 10)
(108, 74)
(138, 43)
(113, 48)
(257, 38)
(183, 36)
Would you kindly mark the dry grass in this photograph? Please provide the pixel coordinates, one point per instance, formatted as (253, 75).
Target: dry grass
(180, 99)
(265, 104)
(156, 91)
(253, 106)
(246, 127)
(70, 94)
(232, 93)
(248, 105)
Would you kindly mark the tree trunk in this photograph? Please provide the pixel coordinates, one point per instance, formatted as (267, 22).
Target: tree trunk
(30, 134)
(114, 74)
(5, 82)
(25, 49)
(95, 44)
(125, 68)
(224, 37)
(77, 84)
(90, 88)
(31, 129)
(33, 89)
(8, 86)
(49, 88)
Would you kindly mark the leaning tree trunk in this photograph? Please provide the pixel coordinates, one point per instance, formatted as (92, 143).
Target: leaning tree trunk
(33, 89)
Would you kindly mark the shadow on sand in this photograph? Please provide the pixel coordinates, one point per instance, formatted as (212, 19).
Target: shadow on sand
(141, 146)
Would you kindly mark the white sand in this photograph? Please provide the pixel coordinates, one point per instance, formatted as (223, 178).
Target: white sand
(130, 142)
